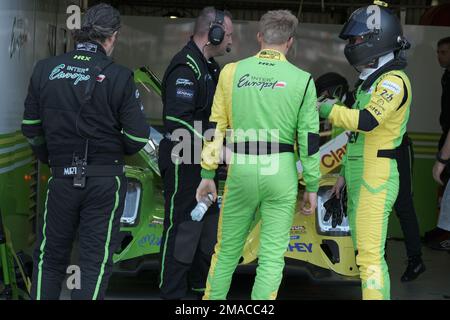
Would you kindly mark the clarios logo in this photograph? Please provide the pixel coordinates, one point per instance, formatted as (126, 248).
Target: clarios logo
(334, 157)
(247, 81)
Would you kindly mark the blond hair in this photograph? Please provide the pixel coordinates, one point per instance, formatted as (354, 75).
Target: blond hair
(277, 26)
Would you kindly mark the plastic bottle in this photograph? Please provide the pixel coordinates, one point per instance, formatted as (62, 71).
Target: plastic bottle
(201, 207)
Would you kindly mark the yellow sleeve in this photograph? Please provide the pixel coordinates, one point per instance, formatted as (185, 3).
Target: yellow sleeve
(220, 119)
(385, 99)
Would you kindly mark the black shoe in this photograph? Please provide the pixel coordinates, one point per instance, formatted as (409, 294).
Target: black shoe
(413, 270)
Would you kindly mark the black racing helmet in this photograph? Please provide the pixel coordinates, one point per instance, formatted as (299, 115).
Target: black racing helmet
(334, 83)
(381, 31)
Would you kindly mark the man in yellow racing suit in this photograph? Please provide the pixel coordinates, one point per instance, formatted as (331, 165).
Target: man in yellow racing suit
(378, 122)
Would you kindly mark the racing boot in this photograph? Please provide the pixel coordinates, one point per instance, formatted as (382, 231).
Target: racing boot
(414, 269)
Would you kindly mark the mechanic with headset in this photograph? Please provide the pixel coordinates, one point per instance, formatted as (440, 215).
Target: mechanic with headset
(188, 89)
(378, 122)
(82, 114)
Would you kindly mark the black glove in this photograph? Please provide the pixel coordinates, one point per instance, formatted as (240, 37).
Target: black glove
(336, 208)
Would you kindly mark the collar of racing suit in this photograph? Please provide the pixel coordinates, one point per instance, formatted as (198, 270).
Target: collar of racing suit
(366, 72)
(211, 64)
(397, 63)
(271, 54)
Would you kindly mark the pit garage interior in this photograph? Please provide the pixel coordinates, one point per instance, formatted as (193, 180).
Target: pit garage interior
(152, 32)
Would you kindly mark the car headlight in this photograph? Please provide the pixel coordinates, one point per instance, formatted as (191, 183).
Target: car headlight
(151, 149)
(325, 227)
(132, 200)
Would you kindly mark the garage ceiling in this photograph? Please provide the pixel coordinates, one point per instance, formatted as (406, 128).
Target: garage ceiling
(319, 11)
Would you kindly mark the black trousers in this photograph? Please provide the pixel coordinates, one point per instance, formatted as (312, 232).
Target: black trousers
(404, 205)
(187, 246)
(95, 212)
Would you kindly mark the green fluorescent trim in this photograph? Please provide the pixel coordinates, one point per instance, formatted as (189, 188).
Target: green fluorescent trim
(137, 139)
(31, 121)
(14, 148)
(10, 160)
(185, 124)
(108, 239)
(42, 248)
(421, 136)
(198, 69)
(425, 150)
(10, 135)
(15, 165)
(171, 223)
(11, 139)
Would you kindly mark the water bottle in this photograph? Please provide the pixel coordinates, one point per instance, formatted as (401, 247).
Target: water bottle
(201, 207)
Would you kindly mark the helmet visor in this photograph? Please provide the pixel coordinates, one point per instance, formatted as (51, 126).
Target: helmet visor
(361, 22)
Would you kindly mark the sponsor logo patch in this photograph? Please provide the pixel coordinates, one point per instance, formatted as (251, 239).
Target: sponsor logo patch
(184, 82)
(100, 78)
(260, 83)
(300, 247)
(76, 74)
(70, 171)
(281, 84)
(82, 58)
(268, 54)
(87, 47)
(391, 86)
(185, 94)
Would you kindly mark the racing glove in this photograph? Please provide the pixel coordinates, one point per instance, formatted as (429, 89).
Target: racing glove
(336, 208)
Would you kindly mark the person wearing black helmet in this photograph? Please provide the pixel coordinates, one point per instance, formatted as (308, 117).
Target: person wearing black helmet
(333, 85)
(377, 122)
(82, 116)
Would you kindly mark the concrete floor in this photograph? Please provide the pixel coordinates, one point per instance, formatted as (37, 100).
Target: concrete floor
(434, 284)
